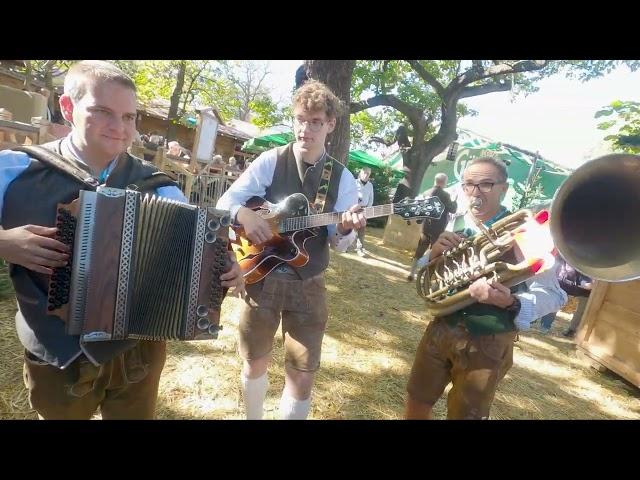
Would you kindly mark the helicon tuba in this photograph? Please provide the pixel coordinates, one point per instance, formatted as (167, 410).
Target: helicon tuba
(594, 223)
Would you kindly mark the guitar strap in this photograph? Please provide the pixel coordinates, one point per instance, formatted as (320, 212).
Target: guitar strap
(323, 186)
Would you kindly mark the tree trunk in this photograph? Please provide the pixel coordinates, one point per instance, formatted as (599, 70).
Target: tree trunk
(336, 74)
(418, 158)
(175, 102)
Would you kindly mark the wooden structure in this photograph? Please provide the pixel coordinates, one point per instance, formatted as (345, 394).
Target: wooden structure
(39, 131)
(13, 134)
(229, 144)
(610, 329)
(152, 117)
(201, 185)
(229, 140)
(400, 235)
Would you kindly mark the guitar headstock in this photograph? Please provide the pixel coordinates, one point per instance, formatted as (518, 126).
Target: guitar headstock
(419, 207)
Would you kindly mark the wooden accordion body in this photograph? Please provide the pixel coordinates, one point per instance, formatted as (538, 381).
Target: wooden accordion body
(142, 267)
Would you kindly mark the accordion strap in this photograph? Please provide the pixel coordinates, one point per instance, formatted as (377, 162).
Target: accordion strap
(155, 180)
(81, 173)
(70, 167)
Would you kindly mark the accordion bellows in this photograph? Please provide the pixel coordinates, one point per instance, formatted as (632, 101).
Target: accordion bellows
(142, 267)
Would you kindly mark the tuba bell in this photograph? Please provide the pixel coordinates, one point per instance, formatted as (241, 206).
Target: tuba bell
(593, 223)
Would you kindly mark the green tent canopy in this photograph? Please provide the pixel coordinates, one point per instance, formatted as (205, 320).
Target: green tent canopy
(357, 158)
(267, 142)
(519, 166)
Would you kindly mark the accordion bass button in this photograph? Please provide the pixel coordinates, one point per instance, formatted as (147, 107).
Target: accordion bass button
(202, 310)
(210, 237)
(225, 220)
(214, 329)
(213, 224)
(203, 323)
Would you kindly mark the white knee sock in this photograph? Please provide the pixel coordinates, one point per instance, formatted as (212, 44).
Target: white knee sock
(292, 409)
(254, 390)
(413, 268)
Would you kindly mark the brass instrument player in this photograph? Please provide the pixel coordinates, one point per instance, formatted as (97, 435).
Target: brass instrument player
(473, 347)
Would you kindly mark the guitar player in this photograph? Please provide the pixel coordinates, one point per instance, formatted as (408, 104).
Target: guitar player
(297, 294)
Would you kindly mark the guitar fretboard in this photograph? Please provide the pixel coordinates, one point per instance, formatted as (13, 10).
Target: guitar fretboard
(322, 219)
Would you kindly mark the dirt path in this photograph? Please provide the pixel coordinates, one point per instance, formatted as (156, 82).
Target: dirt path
(376, 321)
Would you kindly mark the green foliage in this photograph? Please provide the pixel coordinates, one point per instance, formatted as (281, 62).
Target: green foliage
(533, 191)
(207, 83)
(365, 124)
(397, 78)
(626, 116)
(267, 113)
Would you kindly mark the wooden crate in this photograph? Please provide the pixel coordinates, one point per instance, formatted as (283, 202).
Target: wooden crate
(400, 235)
(610, 330)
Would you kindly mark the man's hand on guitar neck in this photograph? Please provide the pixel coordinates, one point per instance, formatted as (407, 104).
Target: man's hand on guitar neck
(256, 228)
(352, 218)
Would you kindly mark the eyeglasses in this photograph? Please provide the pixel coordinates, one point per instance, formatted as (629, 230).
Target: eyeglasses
(314, 125)
(484, 187)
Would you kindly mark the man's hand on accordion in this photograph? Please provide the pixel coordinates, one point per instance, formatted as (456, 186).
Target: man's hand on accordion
(32, 247)
(233, 278)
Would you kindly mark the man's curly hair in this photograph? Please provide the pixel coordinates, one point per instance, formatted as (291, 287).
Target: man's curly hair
(315, 96)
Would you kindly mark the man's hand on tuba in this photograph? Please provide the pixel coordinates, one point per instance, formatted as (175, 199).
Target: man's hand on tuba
(446, 241)
(491, 292)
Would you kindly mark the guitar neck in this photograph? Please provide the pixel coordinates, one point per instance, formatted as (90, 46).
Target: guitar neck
(323, 219)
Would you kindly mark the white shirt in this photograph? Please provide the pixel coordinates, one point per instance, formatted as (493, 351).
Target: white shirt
(365, 193)
(255, 180)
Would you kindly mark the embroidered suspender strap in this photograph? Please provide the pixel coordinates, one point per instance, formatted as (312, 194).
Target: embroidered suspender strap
(323, 186)
(68, 166)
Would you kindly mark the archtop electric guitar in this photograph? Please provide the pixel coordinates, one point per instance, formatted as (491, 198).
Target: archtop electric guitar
(292, 222)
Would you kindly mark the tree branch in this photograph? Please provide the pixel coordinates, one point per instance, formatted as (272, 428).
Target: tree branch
(476, 90)
(473, 74)
(414, 114)
(381, 140)
(426, 76)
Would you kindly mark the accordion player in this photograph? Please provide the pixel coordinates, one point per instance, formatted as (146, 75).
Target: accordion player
(141, 267)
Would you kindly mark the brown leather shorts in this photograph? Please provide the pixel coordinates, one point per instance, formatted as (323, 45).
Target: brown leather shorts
(474, 365)
(123, 388)
(302, 304)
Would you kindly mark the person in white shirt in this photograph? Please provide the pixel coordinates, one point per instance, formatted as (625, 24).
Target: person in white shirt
(365, 199)
(297, 294)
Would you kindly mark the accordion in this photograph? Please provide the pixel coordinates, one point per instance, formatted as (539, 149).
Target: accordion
(141, 267)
